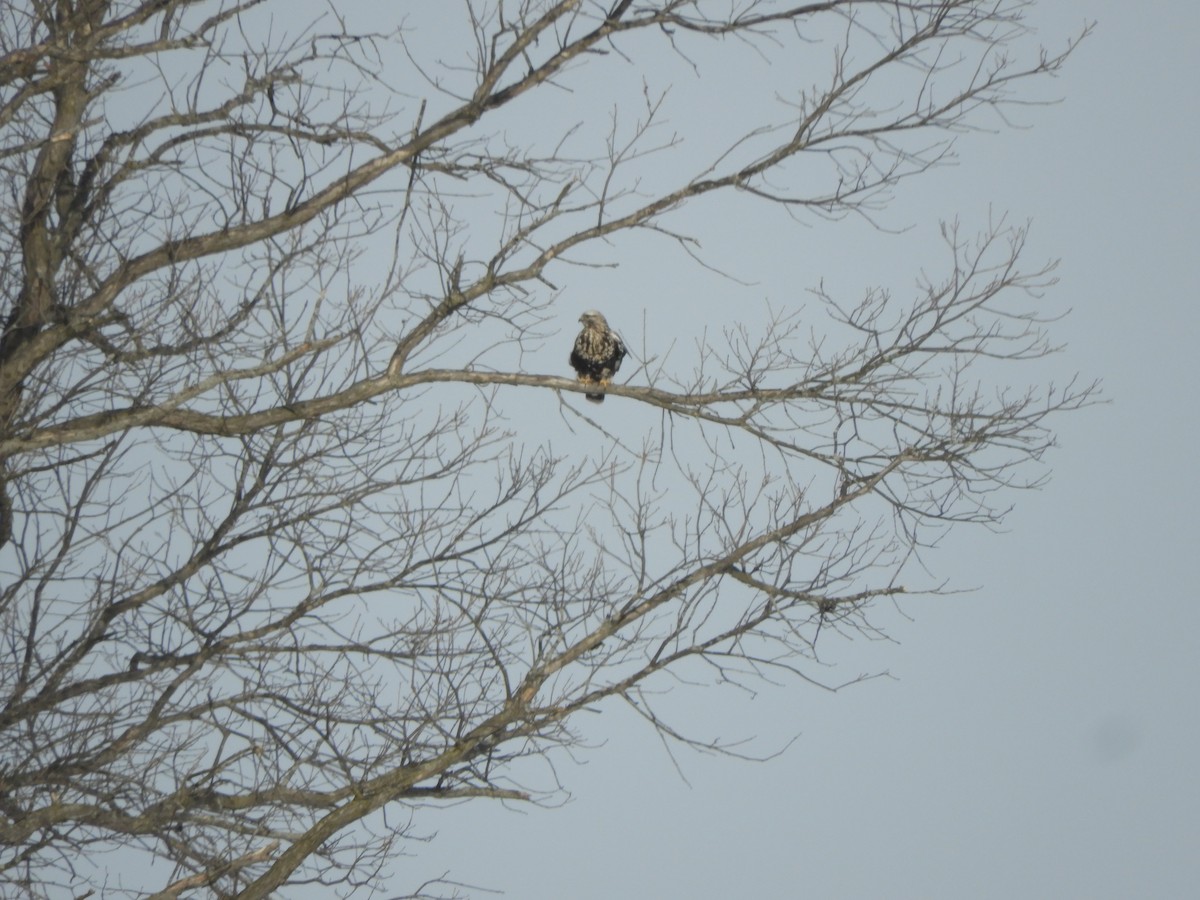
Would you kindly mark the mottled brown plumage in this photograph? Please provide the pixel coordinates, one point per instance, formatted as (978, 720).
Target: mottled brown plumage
(597, 353)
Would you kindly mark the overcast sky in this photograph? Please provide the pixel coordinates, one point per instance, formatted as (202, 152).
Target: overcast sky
(1037, 737)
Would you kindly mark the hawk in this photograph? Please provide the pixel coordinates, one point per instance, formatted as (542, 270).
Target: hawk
(597, 353)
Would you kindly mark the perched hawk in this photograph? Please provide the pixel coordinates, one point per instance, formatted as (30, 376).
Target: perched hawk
(598, 352)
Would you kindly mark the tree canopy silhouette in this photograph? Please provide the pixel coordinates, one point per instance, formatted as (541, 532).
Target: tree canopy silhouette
(276, 563)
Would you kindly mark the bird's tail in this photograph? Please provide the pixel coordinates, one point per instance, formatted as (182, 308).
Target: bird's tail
(595, 398)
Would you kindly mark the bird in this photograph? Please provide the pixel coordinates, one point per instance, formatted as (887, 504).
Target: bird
(597, 353)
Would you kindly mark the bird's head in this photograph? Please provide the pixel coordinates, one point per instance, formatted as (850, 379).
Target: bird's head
(593, 319)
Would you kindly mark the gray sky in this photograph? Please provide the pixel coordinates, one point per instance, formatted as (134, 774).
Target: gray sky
(1037, 737)
(1032, 735)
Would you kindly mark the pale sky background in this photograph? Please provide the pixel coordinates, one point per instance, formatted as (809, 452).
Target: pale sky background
(1036, 738)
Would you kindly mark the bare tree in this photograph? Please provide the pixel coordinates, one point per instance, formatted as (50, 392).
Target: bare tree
(279, 565)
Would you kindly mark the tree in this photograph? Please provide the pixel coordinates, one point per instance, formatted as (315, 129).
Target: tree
(280, 561)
